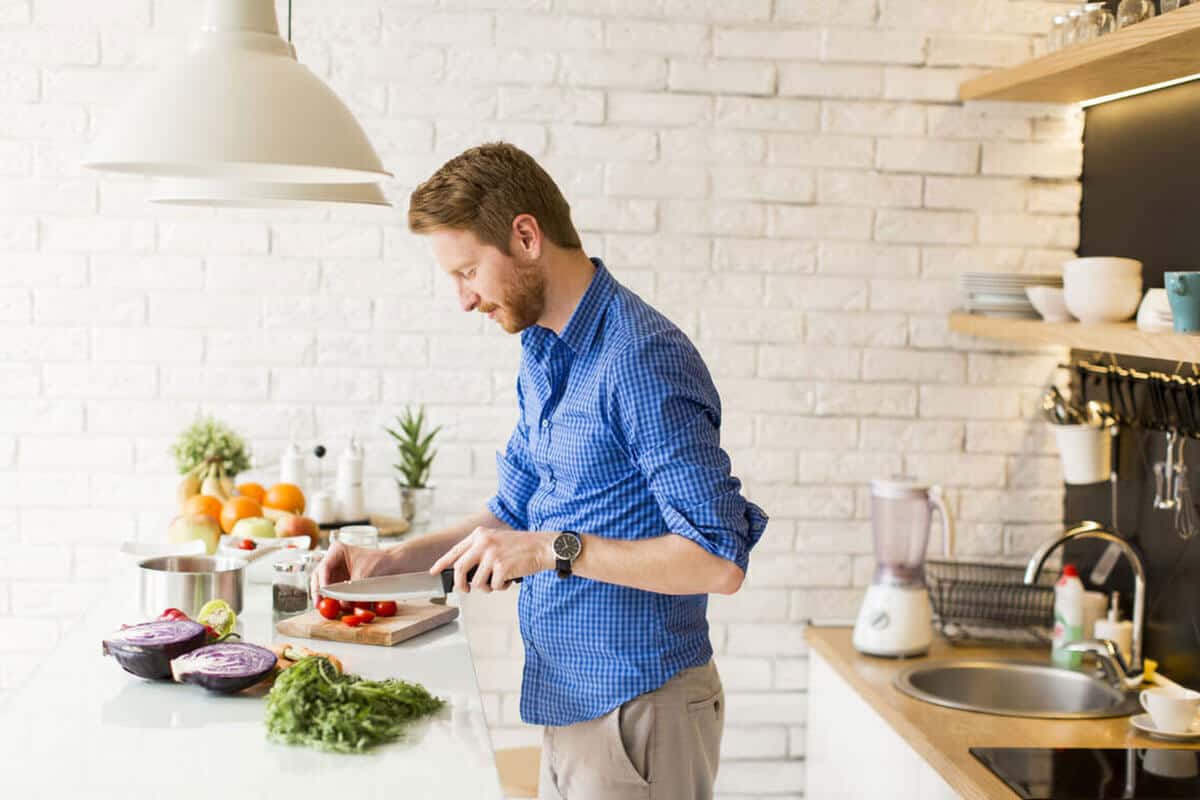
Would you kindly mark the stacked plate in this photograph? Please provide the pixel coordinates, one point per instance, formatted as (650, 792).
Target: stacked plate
(1002, 294)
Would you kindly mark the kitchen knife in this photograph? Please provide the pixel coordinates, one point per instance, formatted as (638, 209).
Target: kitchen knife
(406, 586)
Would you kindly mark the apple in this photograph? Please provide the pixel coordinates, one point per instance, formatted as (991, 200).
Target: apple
(296, 525)
(187, 527)
(253, 528)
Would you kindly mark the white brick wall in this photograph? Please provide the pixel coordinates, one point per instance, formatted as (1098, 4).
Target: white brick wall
(788, 179)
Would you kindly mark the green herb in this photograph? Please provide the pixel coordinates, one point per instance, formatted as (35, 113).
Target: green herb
(313, 703)
(213, 442)
(412, 444)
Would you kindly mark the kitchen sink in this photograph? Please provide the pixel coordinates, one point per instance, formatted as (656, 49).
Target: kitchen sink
(1015, 689)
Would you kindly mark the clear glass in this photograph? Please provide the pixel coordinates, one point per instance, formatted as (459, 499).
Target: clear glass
(1170, 5)
(1071, 29)
(1131, 12)
(1095, 20)
(357, 535)
(900, 526)
(1058, 28)
(289, 587)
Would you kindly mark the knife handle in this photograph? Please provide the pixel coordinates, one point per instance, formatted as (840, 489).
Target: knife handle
(448, 578)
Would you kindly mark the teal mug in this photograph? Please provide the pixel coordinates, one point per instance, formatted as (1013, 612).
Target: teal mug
(1183, 292)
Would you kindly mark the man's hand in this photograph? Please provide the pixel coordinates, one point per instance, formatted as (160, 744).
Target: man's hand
(501, 556)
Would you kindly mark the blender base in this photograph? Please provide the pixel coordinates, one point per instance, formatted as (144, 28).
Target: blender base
(894, 621)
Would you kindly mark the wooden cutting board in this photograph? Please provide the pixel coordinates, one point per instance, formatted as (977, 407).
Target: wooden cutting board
(411, 620)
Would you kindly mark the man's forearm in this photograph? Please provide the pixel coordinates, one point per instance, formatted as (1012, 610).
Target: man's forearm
(667, 564)
(419, 553)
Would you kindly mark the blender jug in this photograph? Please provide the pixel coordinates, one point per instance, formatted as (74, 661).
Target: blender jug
(895, 618)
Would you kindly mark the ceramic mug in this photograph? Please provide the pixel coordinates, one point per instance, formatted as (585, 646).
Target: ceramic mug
(1170, 763)
(1183, 291)
(1173, 710)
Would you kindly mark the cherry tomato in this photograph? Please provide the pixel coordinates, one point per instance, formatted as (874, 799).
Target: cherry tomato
(385, 608)
(347, 606)
(329, 608)
(353, 620)
(366, 614)
(247, 544)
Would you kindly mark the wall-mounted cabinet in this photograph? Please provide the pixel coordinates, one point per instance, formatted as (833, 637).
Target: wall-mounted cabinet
(1160, 49)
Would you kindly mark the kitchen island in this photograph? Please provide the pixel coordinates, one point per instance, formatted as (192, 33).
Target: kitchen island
(83, 727)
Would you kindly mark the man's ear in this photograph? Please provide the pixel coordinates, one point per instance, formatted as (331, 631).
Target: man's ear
(526, 236)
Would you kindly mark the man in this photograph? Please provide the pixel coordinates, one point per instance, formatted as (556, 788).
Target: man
(615, 501)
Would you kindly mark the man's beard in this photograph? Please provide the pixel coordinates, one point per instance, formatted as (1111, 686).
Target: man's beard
(524, 299)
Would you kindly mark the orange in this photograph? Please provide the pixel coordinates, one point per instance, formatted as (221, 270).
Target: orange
(285, 497)
(203, 504)
(252, 490)
(236, 508)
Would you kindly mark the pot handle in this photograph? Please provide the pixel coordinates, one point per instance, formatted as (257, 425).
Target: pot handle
(938, 501)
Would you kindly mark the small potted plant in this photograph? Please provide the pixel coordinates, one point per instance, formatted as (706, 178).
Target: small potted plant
(413, 443)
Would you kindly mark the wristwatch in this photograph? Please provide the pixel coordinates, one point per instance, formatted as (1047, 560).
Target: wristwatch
(567, 547)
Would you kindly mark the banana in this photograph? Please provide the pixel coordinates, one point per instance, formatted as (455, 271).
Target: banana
(211, 485)
(225, 481)
(189, 487)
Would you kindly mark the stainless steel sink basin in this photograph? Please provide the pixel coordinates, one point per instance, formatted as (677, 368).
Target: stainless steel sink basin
(1015, 689)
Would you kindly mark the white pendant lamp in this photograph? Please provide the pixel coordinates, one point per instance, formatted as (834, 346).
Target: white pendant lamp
(238, 106)
(239, 194)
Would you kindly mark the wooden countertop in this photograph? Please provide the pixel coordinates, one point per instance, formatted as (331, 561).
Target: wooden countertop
(942, 735)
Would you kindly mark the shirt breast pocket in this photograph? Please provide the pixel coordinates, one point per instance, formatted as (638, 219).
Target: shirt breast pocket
(586, 453)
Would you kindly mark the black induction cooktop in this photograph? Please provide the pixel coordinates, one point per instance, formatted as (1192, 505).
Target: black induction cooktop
(1085, 774)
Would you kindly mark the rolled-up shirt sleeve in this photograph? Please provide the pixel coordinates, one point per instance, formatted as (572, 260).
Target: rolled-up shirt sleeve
(665, 411)
(517, 478)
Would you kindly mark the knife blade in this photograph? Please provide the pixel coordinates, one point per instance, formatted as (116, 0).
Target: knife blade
(398, 588)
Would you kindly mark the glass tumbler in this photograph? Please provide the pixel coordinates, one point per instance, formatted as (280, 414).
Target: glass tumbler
(1070, 32)
(1170, 5)
(1095, 20)
(1131, 12)
(1054, 39)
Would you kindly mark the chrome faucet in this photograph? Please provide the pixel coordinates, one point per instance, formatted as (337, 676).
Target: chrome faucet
(1107, 653)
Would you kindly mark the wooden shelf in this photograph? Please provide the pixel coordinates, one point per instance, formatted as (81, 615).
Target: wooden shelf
(1123, 337)
(1160, 49)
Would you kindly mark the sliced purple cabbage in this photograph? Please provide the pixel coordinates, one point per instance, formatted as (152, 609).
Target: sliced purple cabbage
(226, 667)
(146, 650)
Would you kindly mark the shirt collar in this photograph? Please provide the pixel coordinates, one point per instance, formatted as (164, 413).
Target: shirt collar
(585, 319)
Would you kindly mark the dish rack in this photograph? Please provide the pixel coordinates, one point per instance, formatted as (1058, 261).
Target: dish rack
(979, 601)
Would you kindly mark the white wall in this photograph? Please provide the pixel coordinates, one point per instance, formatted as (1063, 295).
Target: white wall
(792, 181)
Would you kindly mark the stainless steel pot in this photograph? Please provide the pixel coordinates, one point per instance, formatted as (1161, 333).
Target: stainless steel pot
(188, 582)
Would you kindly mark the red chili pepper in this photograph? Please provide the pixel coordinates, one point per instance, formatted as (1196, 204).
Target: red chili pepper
(173, 614)
(212, 632)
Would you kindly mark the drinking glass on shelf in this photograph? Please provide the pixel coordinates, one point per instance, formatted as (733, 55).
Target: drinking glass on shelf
(1095, 20)
(1131, 12)
(1171, 5)
(1058, 27)
(1071, 29)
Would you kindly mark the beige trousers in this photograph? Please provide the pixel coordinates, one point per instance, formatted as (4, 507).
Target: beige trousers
(662, 745)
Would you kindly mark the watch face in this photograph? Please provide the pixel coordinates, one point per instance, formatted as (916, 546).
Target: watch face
(566, 547)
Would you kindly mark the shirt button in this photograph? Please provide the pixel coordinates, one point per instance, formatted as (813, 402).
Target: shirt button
(545, 423)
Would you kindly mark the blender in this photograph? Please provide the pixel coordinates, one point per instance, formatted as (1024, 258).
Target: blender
(896, 617)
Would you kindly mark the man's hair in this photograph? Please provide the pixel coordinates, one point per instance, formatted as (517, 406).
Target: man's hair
(484, 189)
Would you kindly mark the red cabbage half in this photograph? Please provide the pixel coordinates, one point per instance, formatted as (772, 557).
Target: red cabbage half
(146, 650)
(226, 667)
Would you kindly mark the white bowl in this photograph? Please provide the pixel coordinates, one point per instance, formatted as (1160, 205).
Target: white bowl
(1049, 302)
(1107, 266)
(1096, 298)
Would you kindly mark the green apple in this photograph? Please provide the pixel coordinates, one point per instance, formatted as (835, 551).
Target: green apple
(186, 527)
(253, 528)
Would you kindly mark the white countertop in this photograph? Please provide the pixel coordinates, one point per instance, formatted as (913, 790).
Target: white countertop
(84, 727)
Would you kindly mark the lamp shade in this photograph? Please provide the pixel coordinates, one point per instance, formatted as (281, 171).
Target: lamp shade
(239, 194)
(238, 105)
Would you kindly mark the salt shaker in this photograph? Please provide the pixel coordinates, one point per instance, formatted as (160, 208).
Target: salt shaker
(291, 466)
(350, 501)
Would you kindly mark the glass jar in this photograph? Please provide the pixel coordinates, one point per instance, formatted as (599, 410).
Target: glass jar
(1095, 20)
(1058, 28)
(289, 587)
(1131, 12)
(1071, 29)
(357, 535)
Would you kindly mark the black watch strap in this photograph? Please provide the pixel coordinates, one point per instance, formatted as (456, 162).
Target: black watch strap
(563, 565)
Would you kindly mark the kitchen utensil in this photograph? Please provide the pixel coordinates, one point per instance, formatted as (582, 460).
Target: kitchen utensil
(136, 552)
(1084, 453)
(1183, 293)
(411, 619)
(896, 616)
(1171, 710)
(1058, 410)
(1164, 476)
(1002, 294)
(1186, 522)
(981, 601)
(188, 582)
(1049, 302)
(403, 587)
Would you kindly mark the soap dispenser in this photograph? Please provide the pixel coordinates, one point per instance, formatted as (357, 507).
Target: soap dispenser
(1116, 630)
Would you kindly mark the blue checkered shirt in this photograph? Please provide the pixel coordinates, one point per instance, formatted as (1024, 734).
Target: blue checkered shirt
(618, 436)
